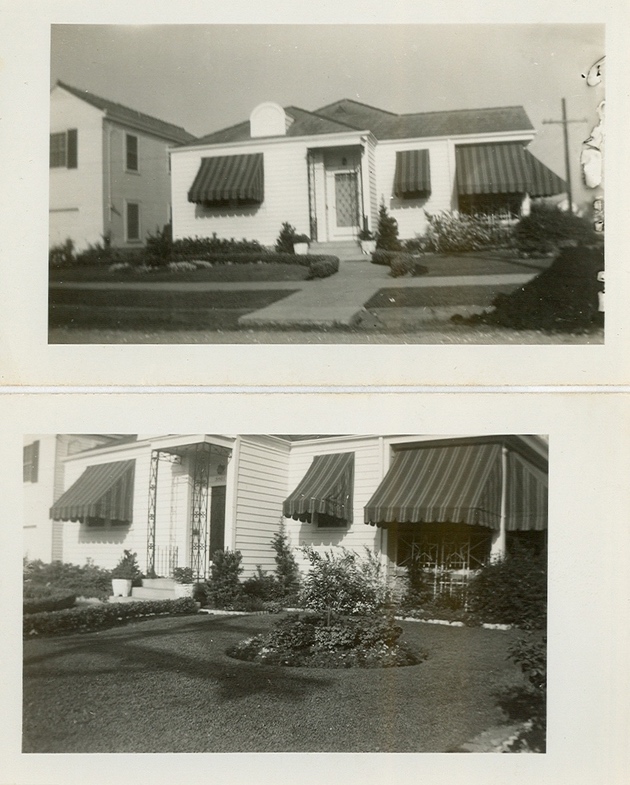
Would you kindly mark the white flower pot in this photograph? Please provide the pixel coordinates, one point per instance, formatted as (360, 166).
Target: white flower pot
(301, 249)
(184, 590)
(121, 587)
(368, 246)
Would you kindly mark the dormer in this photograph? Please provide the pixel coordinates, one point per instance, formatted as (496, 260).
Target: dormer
(268, 119)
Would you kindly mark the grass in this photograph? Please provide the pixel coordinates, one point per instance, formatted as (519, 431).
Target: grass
(220, 273)
(435, 296)
(166, 685)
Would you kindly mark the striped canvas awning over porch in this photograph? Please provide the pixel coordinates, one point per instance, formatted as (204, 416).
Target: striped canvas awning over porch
(228, 178)
(102, 491)
(326, 488)
(413, 173)
(504, 168)
(459, 484)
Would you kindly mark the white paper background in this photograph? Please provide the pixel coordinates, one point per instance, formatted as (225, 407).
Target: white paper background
(589, 587)
(26, 358)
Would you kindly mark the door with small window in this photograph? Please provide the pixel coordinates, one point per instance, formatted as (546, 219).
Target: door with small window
(343, 204)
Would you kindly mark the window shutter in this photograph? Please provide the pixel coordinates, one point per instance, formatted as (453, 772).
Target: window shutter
(34, 461)
(73, 148)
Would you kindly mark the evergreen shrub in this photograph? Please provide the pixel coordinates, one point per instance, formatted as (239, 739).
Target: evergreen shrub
(286, 238)
(547, 229)
(387, 231)
(224, 587)
(321, 266)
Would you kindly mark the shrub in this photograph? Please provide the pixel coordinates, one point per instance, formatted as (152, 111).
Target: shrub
(547, 228)
(418, 590)
(561, 298)
(301, 238)
(224, 587)
(41, 598)
(199, 247)
(286, 238)
(62, 254)
(450, 232)
(262, 586)
(322, 266)
(183, 575)
(86, 581)
(287, 570)
(512, 590)
(530, 654)
(406, 264)
(387, 231)
(128, 569)
(95, 617)
(343, 583)
(314, 640)
(159, 246)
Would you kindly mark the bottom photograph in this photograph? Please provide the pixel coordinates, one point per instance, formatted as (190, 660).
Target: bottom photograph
(284, 593)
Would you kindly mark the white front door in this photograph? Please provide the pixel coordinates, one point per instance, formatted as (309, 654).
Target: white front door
(342, 191)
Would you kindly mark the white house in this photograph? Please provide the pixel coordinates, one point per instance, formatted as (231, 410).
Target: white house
(109, 170)
(326, 172)
(175, 500)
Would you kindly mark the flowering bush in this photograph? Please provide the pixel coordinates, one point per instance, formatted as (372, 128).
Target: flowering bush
(450, 232)
(343, 582)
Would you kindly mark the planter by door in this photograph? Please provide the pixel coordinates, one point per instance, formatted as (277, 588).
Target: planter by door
(301, 249)
(183, 590)
(368, 246)
(121, 587)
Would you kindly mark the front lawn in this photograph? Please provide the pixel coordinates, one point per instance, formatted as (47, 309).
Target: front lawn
(220, 273)
(166, 685)
(435, 296)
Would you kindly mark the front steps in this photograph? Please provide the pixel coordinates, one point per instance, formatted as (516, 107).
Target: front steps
(344, 250)
(154, 589)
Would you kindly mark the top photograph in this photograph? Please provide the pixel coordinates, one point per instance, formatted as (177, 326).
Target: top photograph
(327, 184)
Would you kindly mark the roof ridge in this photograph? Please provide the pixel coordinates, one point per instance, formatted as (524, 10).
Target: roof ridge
(358, 103)
(328, 119)
(456, 111)
(86, 95)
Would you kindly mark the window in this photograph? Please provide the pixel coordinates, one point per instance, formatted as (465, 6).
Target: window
(64, 149)
(133, 221)
(30, 462)
(131, 144)
(502, 206)
(96, 522)
(324, 521)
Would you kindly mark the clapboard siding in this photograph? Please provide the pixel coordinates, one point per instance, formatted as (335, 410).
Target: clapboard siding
(410, 213)
(285, 195)
(259, 496)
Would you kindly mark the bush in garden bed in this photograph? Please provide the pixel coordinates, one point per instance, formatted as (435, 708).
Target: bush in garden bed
(547, 228)
(84, 581)
(322, 266)
(315, 640)
(41, 598)
(95, 617)
(400, 263)
(450, 232)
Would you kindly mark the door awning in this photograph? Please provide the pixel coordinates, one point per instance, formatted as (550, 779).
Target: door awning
(325, 488)
(503, 168)
(459, 484)
(102, 491)
(228, 178)
(413, 174)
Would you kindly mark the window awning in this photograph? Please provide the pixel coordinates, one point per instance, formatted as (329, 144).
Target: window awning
(227, 178)
(102, 491)
(503, 169)
(459, 484)
(326, 488)
(413, 173)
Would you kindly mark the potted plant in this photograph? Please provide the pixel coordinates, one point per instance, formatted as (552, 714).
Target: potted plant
(125, 574)
(184, 581)
(367, 240)
(301, 243)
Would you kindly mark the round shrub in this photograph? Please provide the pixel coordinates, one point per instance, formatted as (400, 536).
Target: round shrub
(547, 228)
(322, 266)
(405, 264)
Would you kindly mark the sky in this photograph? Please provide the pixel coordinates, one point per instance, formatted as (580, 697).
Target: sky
(207, 77)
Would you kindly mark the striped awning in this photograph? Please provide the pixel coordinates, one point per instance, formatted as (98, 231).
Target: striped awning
(227, 178)
(459, 484)
(413, 173)
(506, 168)
(102, 491)
(325, 488)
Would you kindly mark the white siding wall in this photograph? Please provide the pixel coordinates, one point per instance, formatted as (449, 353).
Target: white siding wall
(261, 488)
(367, 476)
(76, 195)
(285, 199)
(410, 212)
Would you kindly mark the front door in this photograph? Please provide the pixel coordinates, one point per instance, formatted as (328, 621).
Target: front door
(343, 204)
(217, 519)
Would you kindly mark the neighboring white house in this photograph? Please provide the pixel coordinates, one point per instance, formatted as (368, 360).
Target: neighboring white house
(326, 172)
(175, 500)
(109, 170)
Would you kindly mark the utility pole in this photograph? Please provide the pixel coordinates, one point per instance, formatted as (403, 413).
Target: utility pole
(565, 128)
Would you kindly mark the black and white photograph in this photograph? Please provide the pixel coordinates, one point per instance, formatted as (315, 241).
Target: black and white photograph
(327, 183)
(258, 593)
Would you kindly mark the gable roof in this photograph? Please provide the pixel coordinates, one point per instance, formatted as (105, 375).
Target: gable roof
(386, 125)
(348, 115)
(137, 120)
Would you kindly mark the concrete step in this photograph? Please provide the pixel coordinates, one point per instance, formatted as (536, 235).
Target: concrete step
(346, 250)
(158, 583)
(152, 593)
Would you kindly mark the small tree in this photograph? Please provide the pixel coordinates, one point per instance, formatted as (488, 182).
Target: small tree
(224, 586)
(387, 231)
(287, 571)
(286, 238)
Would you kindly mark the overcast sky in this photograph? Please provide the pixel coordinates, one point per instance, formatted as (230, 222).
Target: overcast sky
(206, 77)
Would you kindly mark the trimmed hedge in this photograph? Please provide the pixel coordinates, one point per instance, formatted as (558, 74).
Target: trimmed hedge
(40, 599)
(400, 263)
(322, 266)
(96, 617)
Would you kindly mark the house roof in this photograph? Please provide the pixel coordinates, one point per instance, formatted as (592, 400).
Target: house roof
(138, 120)
(348, 115)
